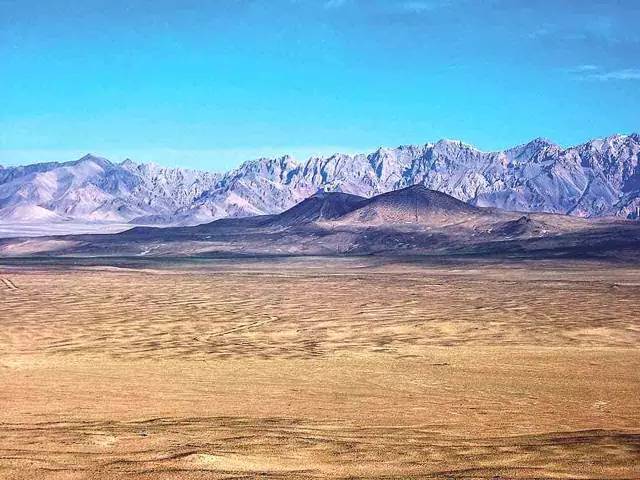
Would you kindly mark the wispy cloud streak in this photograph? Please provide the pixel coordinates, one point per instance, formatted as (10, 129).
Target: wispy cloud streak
(595, 73)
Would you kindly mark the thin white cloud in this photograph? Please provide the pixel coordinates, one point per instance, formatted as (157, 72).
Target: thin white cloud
(624, 74)
(583, 68)
(595, 73)
(585, 27)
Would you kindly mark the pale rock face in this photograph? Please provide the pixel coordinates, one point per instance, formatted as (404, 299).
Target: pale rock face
(93, 189)
(598, 178)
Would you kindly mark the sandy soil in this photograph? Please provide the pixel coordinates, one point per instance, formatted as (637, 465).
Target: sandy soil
(320, 369)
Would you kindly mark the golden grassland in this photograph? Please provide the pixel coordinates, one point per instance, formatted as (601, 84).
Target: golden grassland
(320, 369)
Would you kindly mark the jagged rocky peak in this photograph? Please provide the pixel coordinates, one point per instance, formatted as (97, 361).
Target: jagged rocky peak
(264, 166)
(93, 189)
(89, 157)
(451, 143)
(93, 159)
(128, 163)
(610, 143)
(534, 149)
(541, 142)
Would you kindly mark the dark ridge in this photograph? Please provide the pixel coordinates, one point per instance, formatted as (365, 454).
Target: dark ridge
(423, 197)
(521, 227)
(414, 204)
(233, 222)
(318, 207)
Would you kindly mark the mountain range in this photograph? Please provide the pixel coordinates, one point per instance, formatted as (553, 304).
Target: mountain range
(598, 178)
(411, 221)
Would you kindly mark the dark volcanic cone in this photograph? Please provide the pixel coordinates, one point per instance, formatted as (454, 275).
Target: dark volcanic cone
(413, 205)
(322, 206)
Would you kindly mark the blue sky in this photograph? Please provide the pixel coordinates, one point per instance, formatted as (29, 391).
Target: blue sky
(207, 84)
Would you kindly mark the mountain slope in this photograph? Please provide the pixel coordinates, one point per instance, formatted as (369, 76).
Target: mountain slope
(412, 205)
(93, 189)
(322, 206)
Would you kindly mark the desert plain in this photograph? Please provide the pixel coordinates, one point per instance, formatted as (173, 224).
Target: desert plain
(341, 368)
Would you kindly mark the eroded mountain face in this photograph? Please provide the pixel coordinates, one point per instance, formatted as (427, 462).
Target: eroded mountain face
(95, 189)
(598, 178)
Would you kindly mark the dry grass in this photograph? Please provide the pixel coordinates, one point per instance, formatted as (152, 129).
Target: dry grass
(320, 369)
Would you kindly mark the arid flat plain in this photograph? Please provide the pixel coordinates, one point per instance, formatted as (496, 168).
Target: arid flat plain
(343, 368)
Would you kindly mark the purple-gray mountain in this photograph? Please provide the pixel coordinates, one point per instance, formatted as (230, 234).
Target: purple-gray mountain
(598, 178)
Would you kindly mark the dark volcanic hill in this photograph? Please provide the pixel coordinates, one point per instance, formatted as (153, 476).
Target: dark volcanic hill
(323, 206)
(412, 205)
(410, 221)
